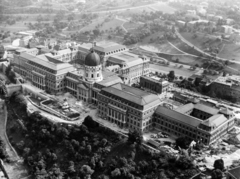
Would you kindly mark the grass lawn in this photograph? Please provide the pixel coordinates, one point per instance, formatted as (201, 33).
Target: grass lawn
(111, 24)
(166, 69)
(93, 25)
(131, 25)
(230, 51)
(202, 41)
(185, 48)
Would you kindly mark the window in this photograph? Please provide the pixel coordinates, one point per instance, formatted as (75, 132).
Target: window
(98, 75)
(92, 75)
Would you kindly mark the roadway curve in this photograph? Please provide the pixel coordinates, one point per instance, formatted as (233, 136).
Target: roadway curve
(198, 49)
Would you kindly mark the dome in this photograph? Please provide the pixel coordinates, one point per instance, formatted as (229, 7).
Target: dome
(92, 59)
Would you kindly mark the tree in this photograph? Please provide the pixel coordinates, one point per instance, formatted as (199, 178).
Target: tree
(162, 175)
(182, 142)
(224, 73)
(217, 174)
(135, 136)
(90, 123)
(96, 32)
(227, 62)
(219, 164)
(71, 170)
(184, 163)
(171, 75)
(86, 171)
(116, 173)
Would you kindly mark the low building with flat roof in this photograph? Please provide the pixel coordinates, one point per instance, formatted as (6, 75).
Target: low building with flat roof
(154, 84)
(228, 85)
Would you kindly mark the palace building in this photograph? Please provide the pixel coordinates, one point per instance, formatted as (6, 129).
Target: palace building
(127, 106)
(195, 121)
(103, 49)
(86, 84)
(131, 66)
(43, 71)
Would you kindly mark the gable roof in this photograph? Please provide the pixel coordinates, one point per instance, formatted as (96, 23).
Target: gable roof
(134, 95)
(215, 120)
(47, 61)
(185, 108)
(189, 120)
(108, 47)
(206, 109)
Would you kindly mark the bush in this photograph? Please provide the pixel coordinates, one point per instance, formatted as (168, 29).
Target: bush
(90, 123)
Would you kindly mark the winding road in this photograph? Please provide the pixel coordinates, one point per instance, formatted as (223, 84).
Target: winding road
(201, 51)
(198, 49)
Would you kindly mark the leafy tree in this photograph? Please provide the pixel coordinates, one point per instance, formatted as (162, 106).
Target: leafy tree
(90, 123)
(135, 136)
(227, 62)
(86, 171)
(116, 173)
(182, 142)
(184, 163)
(162, 175)
(218, 164)
(171, 75)
(217, 174)
(71, 170)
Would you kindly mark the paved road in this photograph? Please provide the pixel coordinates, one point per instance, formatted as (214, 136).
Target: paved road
(198, 49)
(123, 9)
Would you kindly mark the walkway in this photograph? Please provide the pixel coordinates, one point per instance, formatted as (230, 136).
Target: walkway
(124, 21)
(15, 170)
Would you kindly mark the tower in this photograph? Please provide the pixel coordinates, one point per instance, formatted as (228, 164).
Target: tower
(93, 67)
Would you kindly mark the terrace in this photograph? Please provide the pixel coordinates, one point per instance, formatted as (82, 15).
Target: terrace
(62, 110)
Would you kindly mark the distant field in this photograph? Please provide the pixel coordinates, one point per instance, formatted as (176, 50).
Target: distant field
(165, 8)
(19, 26)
